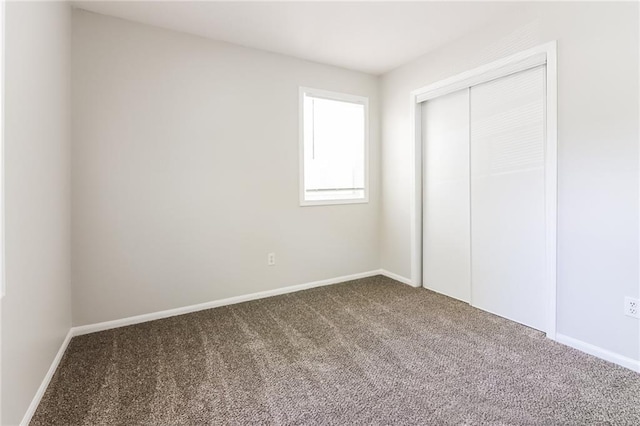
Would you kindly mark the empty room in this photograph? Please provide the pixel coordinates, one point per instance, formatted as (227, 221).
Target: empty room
(320, 213)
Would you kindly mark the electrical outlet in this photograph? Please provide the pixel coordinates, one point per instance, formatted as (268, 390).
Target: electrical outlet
(632, 307)
(271, 259)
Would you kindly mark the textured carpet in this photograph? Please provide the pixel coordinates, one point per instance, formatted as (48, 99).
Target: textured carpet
(371, 351)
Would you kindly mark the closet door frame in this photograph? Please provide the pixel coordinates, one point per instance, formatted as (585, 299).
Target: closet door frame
(544, 54)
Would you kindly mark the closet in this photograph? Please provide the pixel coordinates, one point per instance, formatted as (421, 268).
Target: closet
(484, 212)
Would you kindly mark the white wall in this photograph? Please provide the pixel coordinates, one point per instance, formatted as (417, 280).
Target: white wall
(170, 132)
(598, 155)
(36, 311)
(185, 172)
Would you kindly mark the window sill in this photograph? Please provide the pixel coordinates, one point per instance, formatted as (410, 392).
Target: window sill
(333, 202)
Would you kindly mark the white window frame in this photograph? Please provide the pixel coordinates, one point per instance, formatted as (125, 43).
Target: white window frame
(2, 151)
(336, 96)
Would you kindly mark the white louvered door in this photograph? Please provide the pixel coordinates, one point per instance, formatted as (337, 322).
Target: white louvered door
(507, 197)
(484, 196)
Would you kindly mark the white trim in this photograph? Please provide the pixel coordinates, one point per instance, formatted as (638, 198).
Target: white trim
(92, 328)
(493, 70)
(2, 150)
(397, 277)
(108, 325)
(334, 96)
(551, 186)
(599, 352)
(365, 200)
(344, 97)
(47, 379)
(416, 189)
(638, 187)
(519, 62)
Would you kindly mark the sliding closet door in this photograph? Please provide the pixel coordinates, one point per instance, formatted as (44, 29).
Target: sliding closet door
(507, 197)
(446, 234)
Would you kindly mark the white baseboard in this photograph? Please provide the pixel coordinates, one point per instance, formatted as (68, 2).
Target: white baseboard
(86, 329)
(599, 352)
(45, 382)
(107, 325)
(397, 277)
(91, 328)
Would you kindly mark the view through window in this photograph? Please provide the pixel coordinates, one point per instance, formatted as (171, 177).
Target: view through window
(334, 148)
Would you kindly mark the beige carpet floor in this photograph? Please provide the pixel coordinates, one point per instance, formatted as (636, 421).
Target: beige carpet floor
(371, 351)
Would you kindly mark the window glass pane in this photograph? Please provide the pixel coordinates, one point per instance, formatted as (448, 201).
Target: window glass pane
(334, 149)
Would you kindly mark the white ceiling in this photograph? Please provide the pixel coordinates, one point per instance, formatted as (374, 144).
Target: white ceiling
(373, 37)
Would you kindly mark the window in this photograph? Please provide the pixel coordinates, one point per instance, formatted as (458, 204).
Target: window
(333, 148)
